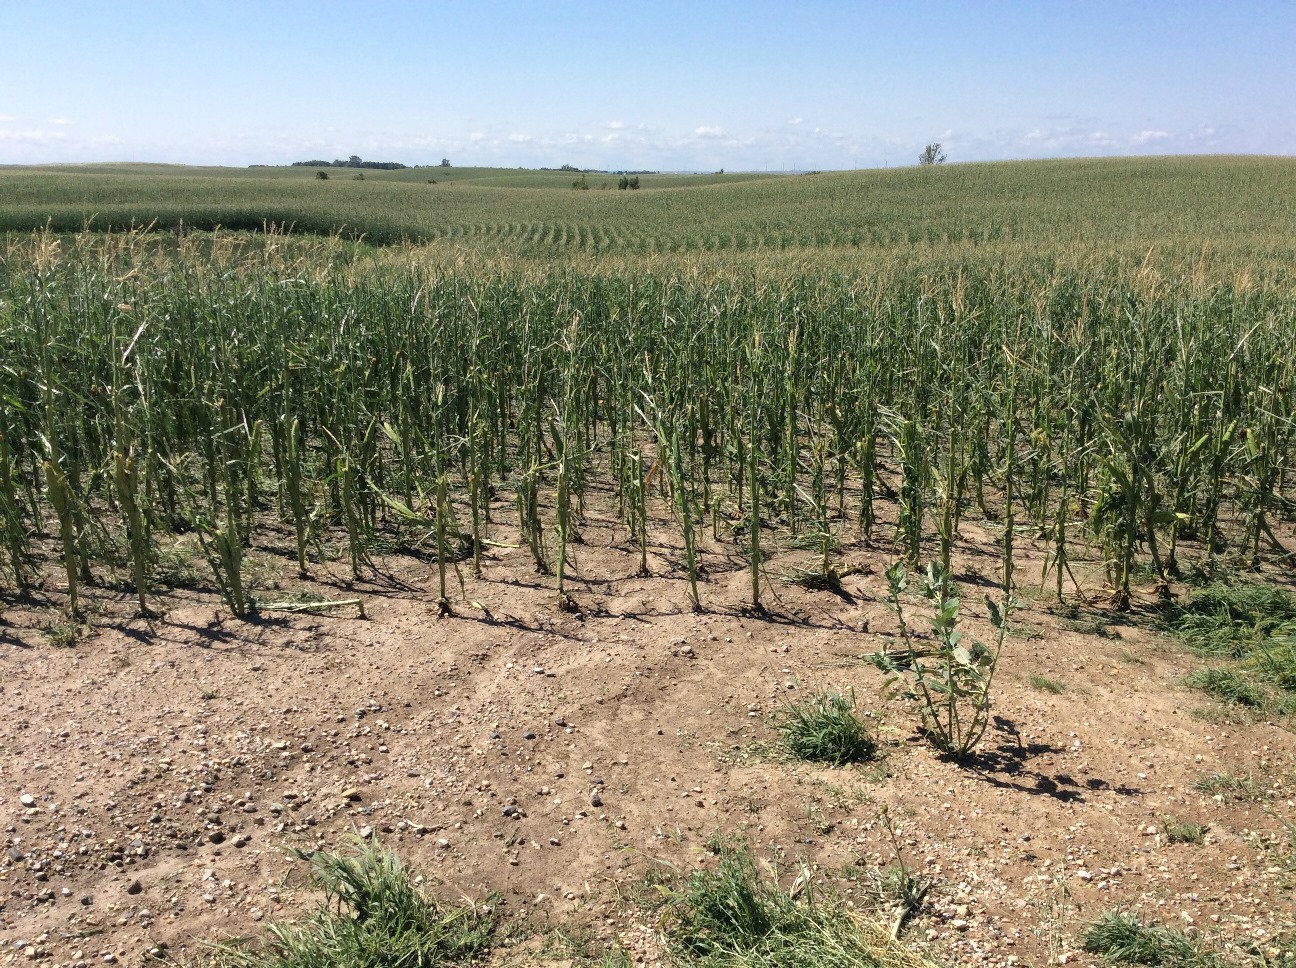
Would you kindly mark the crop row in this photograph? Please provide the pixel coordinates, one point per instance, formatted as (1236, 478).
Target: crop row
(143, 397)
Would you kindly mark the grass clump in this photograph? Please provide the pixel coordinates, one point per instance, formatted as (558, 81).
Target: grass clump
(1229, 786)
(1122, 939)
(1045, 684)
(372, 914)
(823, 728)
(1231, 620)
(1183, 831)
(733, 916)
(1252, 628)
(1227, 685)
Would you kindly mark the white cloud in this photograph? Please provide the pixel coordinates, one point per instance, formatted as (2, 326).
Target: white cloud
(61, 122)
(614, 125)
(32, 136)
(795, 120)
(709, 131)
(1147, 137)
(6, 118)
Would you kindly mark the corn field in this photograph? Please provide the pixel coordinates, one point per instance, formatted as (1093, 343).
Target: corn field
(294, 398)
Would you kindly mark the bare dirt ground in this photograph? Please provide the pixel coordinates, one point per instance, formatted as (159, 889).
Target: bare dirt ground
(153, 774)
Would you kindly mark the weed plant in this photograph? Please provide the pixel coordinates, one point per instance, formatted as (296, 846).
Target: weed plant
(1120, 938)
(950, 682)
(823, 728)
(372, 916)
(1251, 630)
(732, 916)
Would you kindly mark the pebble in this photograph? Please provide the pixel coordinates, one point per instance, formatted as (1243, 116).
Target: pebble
(134, 887)
(442, 843)
(27, 800)
(595, 799)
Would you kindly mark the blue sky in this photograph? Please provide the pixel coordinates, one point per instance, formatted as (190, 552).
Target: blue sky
(656, 85)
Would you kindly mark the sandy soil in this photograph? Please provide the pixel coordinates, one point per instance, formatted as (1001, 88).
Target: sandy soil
(153, 775)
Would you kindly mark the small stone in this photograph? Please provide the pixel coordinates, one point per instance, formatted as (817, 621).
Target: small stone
(365, 832)
(510, 811)
(15, 855)
(594, 799)
(1084, 875)
(27, 800)
(134, 887)
(528, 735)
(442, 843)
(350, 793)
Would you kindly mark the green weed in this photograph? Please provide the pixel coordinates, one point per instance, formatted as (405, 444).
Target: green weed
(1045, 684)
(371, 916)
(1183, 831)
(734, 917)
(1122, 939)
(823, 728)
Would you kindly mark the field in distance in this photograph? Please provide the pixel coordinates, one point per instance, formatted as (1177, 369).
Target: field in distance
(1232, 208)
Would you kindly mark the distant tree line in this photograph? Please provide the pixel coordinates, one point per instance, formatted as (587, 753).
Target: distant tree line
(597, 171)
(355, 161)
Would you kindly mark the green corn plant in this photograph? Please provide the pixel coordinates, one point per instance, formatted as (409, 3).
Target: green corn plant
(444, 521)
(223, 548)
(295, 489)
(62, 499)
(126, 481)
(12, 525)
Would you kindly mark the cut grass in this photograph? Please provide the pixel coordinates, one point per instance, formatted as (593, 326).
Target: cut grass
(1122, 939)
(734, 917)
(372, 914)
(823, 728)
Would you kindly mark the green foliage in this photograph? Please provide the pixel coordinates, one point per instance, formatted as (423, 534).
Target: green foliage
(1081, 213)
(1230, 619)
(1227, 685)
(1229, 786)
(1254, 626)
(733, 917)
(1183, 831)
(932, 155)
(1045, 684)
(371, 916)
(950, 683)
(823, 728)
(1122, 939)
